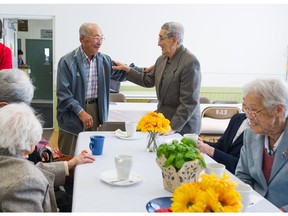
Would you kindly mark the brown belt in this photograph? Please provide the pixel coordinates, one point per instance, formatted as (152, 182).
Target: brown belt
(91, 101)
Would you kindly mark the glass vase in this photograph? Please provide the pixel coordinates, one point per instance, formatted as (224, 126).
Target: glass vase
(152, 141)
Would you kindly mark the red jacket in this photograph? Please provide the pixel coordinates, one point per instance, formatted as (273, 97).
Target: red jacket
(5, 57)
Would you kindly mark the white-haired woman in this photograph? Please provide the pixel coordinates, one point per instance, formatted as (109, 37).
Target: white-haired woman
(263, 159)
(25, 187)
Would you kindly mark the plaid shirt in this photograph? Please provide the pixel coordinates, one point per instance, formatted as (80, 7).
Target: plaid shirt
(91, 75)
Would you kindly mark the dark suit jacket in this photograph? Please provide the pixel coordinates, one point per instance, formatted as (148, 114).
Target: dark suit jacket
(227, 152)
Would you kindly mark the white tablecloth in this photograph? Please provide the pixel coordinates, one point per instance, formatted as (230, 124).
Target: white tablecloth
(134, 112)
(91, 194)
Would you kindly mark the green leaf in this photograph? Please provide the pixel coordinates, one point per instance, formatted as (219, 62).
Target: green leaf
(170, 160)
(190, 156)
(179, 163)
(202, 162)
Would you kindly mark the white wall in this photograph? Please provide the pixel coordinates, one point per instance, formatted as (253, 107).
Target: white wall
(234, 43)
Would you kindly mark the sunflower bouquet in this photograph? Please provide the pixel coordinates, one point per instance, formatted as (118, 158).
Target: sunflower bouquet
(211, 194)
(154, 123)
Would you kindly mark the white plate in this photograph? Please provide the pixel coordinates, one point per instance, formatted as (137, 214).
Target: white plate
(123, 136)
(110, 177)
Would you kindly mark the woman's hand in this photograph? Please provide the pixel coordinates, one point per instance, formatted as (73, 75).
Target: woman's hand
(205, 148)
(80, 159)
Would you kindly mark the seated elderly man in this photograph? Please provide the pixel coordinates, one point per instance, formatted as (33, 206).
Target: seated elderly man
(25, 187)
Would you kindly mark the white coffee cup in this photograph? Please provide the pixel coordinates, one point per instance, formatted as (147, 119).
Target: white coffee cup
(216, 168)
(245, 191)
(193, 136)
(130, 128)
(123, 164)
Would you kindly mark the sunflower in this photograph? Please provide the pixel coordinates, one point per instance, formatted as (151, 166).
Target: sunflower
(186, 200)
(211, 194)
(154, 122)
(218, 184)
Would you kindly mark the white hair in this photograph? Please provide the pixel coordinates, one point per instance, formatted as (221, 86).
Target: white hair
(15, 86)
(20, 128)
(272, 91)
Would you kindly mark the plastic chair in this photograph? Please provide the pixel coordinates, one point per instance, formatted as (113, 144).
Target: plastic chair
(224, 102)
(214, 119)
(112, 126)
(153, 101)
(204, 100)
(220, 112)
(117, 97)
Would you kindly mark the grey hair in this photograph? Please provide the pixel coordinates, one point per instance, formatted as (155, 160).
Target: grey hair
(273, 92)
(15, 86)
(174, 29)
(85, 29)
(20, 128)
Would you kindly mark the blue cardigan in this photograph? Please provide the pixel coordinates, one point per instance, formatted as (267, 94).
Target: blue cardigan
(72, 87)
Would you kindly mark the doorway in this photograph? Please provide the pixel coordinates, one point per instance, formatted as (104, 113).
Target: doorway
(39, 55)
(38, 33)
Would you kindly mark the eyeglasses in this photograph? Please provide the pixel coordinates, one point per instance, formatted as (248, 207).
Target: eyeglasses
(96, 38)
(162, 38)
(253, 113)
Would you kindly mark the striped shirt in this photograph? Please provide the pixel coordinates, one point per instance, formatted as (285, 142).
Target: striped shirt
(91, 75)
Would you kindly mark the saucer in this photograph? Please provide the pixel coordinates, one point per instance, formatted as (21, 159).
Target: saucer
(158, 203)
(122, 135)
(110, 177)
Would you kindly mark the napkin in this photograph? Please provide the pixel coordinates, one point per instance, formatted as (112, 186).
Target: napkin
(121, 133)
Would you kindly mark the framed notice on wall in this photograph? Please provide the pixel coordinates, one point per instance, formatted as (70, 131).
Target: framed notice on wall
(23, 25)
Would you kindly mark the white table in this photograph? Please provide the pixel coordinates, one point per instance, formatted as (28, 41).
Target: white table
(91, 194)
(134, 112)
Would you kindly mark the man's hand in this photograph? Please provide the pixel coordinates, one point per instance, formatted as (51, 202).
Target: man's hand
(120, 66)
(149, 69)
(86, 119)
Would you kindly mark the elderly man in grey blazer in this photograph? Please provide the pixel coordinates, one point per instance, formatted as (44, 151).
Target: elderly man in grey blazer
(177, 78)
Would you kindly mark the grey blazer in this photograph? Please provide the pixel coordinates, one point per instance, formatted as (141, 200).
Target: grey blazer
(25, 187)
(249, 168)
(179, 92)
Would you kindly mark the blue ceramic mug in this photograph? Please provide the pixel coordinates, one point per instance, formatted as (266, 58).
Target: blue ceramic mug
(96, 144)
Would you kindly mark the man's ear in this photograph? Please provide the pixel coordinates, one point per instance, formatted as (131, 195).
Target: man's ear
(2, 104)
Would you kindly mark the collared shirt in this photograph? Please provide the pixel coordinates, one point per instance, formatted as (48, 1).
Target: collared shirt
(168, 67)
(269, 150)
(91, 75)
(242, 127)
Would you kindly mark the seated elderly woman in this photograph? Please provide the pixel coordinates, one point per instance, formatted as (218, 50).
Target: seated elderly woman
(263, 161)
(227, 149)
(25, 187)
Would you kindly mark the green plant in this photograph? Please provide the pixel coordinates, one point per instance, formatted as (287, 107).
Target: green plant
(179, 152)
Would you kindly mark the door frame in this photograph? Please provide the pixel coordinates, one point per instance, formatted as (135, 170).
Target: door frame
(39, 17)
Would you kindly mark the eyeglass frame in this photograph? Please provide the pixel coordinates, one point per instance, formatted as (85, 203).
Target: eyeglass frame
(163, 38)
(252, 113)
(96, 38)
